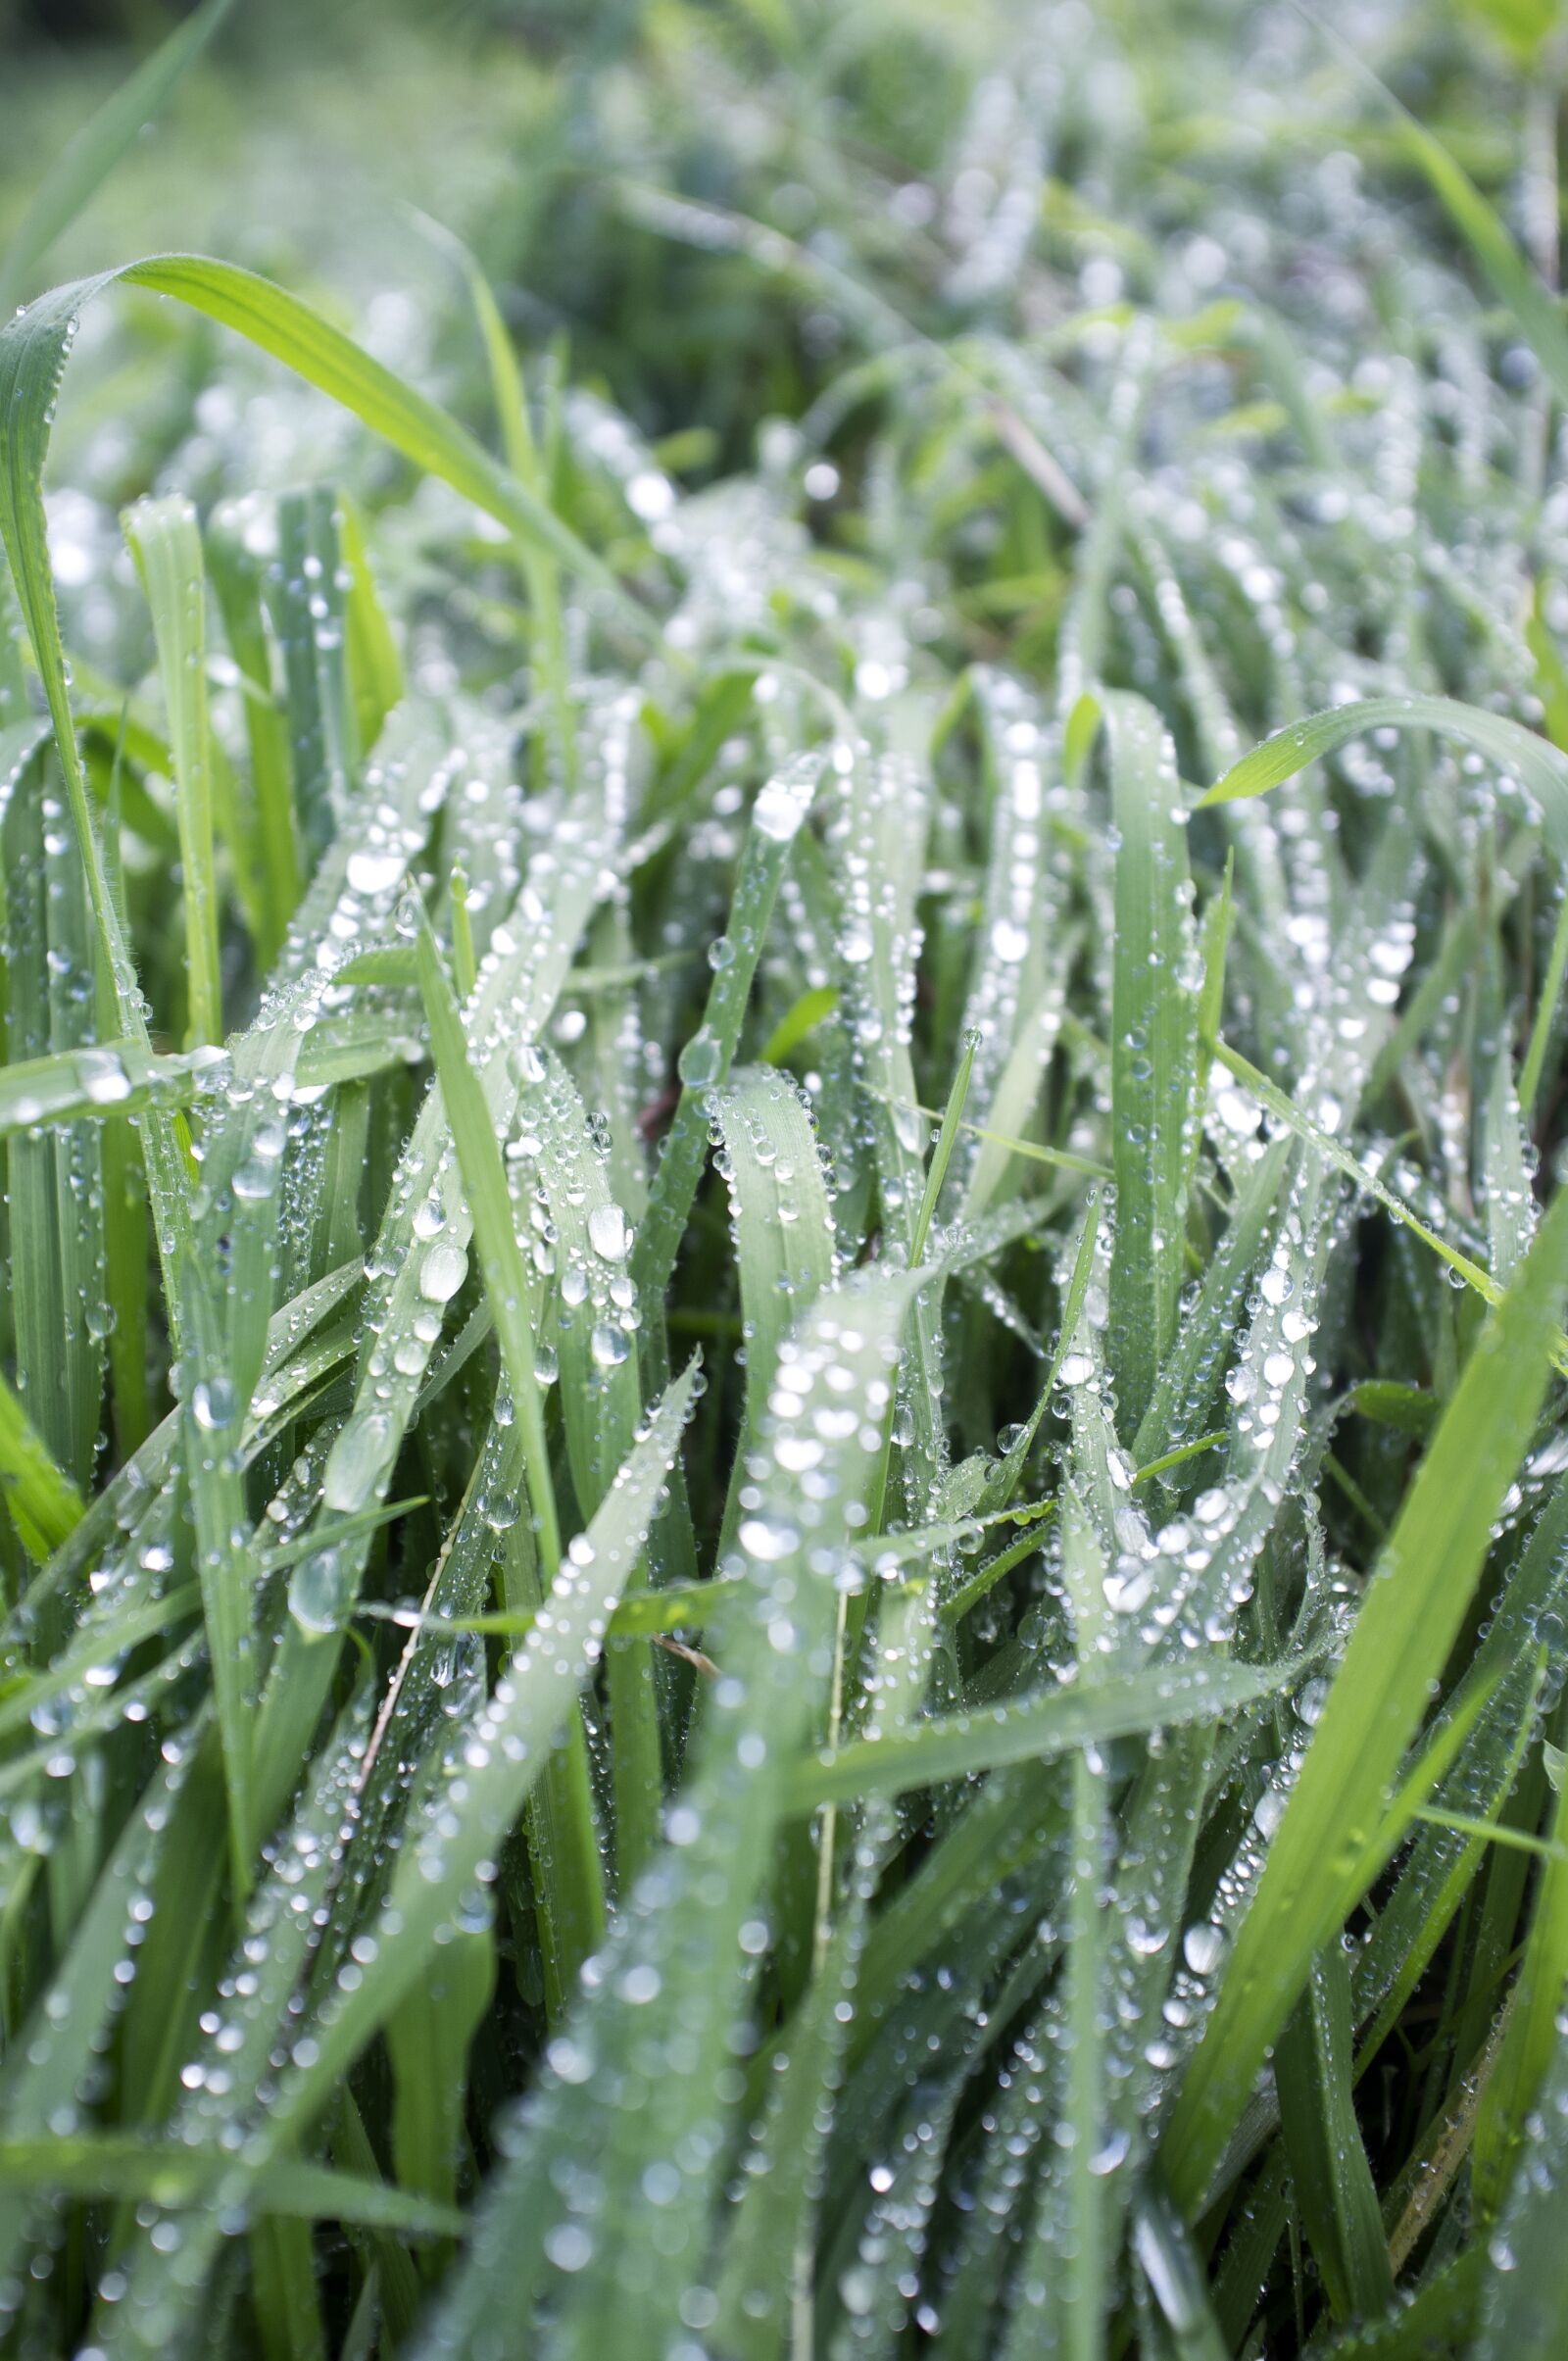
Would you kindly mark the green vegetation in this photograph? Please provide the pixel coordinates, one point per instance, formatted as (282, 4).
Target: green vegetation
(782, 1510)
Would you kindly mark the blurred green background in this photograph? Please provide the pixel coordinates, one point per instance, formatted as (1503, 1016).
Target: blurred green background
(301, 143)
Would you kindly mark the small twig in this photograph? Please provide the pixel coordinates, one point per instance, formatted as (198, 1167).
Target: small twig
(1437, 2168)
(1042, 470)
(688, 1655)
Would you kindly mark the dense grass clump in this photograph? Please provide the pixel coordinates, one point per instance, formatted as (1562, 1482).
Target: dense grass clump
(783, 1537)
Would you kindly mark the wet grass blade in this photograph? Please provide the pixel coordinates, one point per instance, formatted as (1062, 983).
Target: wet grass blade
(45, 1503)
(1031, 1727)
(1518, 751)
(1333, 2179)
(1413, 1607)
(506, 1275)
(780, 809)
(166, 543)
(1153, 1051)
(34, 347)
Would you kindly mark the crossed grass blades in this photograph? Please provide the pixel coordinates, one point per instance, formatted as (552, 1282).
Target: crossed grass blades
(783, 1531)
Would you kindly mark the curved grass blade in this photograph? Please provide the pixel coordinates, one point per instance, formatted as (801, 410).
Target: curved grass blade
(44, 1502)
(1542, 766)
(33, 352)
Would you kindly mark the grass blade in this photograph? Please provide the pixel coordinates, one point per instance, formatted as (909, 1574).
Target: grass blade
(1401, 1638)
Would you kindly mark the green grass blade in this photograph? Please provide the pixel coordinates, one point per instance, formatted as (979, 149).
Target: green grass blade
(237, 573)
(1402, 1637)
(307, 605)
(507, 1280)
(167, 546)
(1533, 2037)
(1333, 2179)
(1154, 1052)
(781, 808)
(34, 346)
(782, 1223)
(955, 1746)
(45, 1503)
(1515, 750)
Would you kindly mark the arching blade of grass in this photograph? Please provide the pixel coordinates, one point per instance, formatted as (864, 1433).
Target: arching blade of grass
(1416, 1598)
(87, 159)
(32, 352)
(1521, 752)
